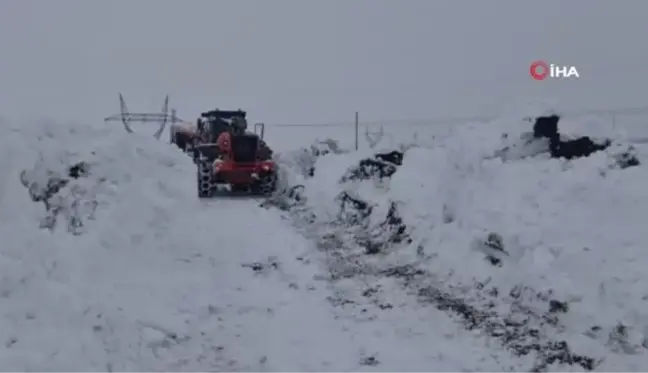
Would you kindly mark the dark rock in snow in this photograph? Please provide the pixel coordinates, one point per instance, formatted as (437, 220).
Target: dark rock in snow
(394, 157)
(353, 211)
(556, 306)
(392, 230)
(383, 165)
(577, 148)
(369, 168)
(547, 127)
(78, 170)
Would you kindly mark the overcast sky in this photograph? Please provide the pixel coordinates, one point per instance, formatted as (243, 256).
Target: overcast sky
(314, 61)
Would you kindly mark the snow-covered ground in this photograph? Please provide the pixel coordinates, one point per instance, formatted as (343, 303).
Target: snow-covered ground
(571, 236)
(137, 274)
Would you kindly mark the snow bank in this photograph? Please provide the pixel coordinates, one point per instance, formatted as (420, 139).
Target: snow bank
(542, 254)
(66, 297)
(118, 172)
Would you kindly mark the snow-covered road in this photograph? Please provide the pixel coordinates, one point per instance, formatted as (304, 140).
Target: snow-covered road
(157, 280)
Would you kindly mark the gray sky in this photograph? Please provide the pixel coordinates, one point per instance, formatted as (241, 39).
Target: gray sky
(317, 61)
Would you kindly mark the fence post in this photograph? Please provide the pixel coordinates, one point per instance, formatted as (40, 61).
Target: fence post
(174, 119)
(356, 130)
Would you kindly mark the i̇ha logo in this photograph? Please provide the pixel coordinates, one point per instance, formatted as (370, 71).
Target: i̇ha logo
(541, 70)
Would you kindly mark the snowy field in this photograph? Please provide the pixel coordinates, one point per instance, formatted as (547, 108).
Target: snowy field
(395, 132)
(137, 274)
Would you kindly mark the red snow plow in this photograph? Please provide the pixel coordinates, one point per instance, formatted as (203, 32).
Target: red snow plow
(227, 155)
(208, 127)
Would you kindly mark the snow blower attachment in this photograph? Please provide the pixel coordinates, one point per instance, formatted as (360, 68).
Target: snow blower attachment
(226, 154)
(162, 118)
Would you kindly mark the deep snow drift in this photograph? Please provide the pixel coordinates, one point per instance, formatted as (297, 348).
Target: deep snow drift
(542, 256)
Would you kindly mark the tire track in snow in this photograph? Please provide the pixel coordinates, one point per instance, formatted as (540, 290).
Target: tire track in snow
(522, 329)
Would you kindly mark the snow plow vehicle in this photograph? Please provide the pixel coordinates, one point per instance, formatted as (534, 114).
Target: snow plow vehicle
(227, 155)
(208, 126)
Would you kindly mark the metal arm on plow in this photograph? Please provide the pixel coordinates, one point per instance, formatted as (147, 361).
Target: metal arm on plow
(259, 129)
(126, 117)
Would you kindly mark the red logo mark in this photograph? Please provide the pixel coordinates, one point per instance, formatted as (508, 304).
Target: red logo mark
(539, 70)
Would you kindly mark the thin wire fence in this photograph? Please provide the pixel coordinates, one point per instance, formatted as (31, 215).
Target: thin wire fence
(352, 134)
